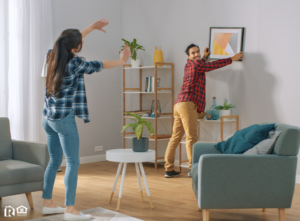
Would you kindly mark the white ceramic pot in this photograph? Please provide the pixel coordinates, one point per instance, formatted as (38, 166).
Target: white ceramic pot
(225, 113)
(135, 63)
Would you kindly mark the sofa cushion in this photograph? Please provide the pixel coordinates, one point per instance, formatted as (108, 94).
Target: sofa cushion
(5, 139)
(15, 172)
(265, 146)
(245, 139)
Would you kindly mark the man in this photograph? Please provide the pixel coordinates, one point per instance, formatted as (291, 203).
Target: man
(190, 102)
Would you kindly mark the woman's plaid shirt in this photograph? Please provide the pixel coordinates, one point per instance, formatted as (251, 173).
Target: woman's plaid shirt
(72, 95)
(193, 87)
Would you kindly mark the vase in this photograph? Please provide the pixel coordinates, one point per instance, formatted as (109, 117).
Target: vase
(225, 112)
(153, 108)
(208, 114)
(135, 63)
(140, 145)
(158, 56)
(214, 112)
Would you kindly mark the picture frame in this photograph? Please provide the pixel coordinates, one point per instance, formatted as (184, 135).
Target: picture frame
(225, 42)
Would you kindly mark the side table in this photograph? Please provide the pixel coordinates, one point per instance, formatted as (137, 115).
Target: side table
(124, 156)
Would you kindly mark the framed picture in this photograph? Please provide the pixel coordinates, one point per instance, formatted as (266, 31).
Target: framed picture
(225, 42)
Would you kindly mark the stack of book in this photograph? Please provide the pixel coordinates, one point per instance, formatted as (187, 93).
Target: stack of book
(149, 85)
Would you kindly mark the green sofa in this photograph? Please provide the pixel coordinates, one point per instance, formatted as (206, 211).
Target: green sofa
(22, 164)
(237, 181)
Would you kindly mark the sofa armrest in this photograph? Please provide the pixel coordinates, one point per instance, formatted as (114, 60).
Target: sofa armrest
(203, 148)
(31, 152)
(227, 181)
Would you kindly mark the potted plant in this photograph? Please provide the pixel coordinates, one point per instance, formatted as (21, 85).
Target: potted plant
(225, 110)
(140, 144)
(135, 63)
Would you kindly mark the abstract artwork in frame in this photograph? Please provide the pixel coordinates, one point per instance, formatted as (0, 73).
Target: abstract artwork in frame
(225, 42)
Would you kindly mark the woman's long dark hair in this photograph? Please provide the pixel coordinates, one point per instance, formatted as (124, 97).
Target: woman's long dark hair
(59, 57)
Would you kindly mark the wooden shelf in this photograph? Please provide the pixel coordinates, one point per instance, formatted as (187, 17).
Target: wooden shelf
(219, 120)
(147, 67)
(138, 92)
(149, 118)
(130, 137)
(157, 90)
(224, 119)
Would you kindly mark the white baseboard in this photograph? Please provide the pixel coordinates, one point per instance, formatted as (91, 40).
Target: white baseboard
(298, 179)
(88, 159)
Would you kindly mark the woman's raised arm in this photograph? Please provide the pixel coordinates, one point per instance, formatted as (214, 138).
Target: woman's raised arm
(96, 25)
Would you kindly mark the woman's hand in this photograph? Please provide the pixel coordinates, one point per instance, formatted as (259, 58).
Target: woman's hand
(100, 24)
(125, 53)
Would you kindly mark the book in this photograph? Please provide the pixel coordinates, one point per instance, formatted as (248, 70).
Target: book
(146, 84)
(150, 90)
(153, 84)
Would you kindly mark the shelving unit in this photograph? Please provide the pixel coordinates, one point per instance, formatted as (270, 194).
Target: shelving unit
(157, 90)
(224, 119)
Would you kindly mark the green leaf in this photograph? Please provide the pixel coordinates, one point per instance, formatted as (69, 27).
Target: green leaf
(220, 107)
(126, 126)
(134, 115)
(135, 126)
(149, 127)
(134, 55)
(138, 131)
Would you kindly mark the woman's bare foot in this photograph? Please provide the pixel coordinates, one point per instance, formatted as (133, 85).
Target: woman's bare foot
(49, 203)
(72, 210)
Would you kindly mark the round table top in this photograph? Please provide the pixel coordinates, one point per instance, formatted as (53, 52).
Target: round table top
(128, 156)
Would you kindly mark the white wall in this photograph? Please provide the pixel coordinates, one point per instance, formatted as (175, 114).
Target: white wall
(3, 56)
(265, 86)
(104, 89)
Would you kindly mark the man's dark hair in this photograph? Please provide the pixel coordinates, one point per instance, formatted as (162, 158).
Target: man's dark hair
(187, 50)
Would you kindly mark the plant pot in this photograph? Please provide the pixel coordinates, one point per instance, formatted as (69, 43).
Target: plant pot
(135, 63)
(140, 145)
(225, 113)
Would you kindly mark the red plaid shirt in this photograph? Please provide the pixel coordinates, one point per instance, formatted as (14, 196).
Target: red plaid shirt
(193, 87)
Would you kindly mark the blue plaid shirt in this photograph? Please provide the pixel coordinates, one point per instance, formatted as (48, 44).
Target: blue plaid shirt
(72, 95)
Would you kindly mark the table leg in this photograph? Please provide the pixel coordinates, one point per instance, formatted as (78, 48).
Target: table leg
(115, 183)
(121, 187)
(139, 179)
(146, 184)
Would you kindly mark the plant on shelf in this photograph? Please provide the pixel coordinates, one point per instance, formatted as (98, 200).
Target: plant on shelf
(225, 109)
(133, 49)
(140, 144)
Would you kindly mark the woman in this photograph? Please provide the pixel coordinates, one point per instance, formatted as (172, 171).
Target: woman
(65, 98)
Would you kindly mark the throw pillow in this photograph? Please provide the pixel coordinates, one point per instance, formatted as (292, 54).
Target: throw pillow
(266, 146)
(245, 139)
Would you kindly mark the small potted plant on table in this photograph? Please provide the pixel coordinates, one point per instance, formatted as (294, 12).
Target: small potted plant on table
(140, 144)
(135, 63)
(225, 110)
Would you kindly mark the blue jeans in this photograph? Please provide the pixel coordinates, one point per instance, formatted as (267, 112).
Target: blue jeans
(62, 137)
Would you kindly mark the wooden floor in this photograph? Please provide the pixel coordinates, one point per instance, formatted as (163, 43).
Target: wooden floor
(173, 198)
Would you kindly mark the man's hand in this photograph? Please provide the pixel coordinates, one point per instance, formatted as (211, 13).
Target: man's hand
(206, 53)
(237, 56)
(124, 54)
(100, 24)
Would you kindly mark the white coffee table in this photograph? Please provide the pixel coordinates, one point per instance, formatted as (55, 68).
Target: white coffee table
(124, 156)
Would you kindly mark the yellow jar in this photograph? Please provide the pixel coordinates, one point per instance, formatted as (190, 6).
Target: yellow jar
(158, 56)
